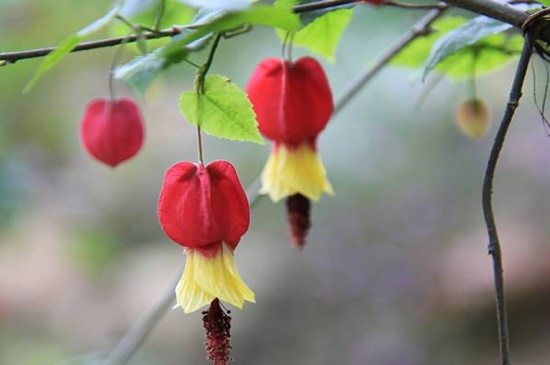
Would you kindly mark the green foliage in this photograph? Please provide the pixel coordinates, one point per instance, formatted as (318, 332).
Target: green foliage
(142, 70)
(65, 47)
(460, 54)
(223, 110)
(416, 53)
(174, 13)
(465, 35)
(321, 31)
(323, 34)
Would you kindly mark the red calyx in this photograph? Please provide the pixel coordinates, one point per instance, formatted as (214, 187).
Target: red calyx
(112, 130)
(292, 101)
(201, 207)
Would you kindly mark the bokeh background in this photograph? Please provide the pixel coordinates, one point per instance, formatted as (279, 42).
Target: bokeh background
(395, 271)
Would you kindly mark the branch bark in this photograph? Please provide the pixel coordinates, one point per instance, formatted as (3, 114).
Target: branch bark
(493, 9)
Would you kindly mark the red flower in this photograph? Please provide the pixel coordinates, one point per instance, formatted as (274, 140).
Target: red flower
(293, 104)
(112, 130)
(199, 207)
(205, 209)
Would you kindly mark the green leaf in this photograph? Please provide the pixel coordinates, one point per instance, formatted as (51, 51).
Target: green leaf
(463, 36)
(139, 72)
(487, 54)
(223, 110)
(65, 47)
(417, 52)
(323, 34)
(53, 59)
(142, 70)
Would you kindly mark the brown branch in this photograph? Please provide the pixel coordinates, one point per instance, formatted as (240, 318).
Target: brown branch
(490, 8)
(12, 57)
(493, 9)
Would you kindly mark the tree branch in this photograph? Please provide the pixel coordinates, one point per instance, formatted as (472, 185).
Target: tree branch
(493, 9)
(494, 248)
(12, 57)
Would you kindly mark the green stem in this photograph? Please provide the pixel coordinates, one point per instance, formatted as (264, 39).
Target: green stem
(203, 70)
(159, 14)
(116, 58)
(201, 76)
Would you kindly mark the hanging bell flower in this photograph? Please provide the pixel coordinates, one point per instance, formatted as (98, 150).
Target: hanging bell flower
(112, 130)
(293, 104)
(205, 210)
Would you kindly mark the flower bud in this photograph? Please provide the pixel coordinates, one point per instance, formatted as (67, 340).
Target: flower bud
(473, 118)
(112, 130)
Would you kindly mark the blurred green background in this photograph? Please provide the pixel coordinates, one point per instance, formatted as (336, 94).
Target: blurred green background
(395, 271)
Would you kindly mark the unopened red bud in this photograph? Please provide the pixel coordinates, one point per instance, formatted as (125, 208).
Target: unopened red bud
(112, 130)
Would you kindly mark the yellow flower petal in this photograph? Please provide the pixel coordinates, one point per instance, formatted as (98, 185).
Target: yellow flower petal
(205, 279)
(290, 172)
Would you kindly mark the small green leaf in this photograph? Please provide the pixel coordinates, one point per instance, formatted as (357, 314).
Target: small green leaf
(139, 72)
(323, 34)
(142, 70)
(223, 110)
(53, 59)
(463, 36)
(65, 47)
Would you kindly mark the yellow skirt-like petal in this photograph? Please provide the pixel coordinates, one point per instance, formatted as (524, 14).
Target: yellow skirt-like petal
(296, 171)
(205, 279)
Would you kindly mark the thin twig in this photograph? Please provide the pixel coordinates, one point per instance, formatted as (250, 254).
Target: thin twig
(494, 248)
(139, 331)
(12, 57)
(399, 4)
(135, 336)
(421, 28)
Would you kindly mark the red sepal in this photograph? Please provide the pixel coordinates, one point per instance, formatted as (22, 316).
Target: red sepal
(292, 101)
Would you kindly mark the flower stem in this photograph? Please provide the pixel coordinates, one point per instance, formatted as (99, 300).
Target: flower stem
(201, 77)
(159, 14)
(199, 145)
(116, 58)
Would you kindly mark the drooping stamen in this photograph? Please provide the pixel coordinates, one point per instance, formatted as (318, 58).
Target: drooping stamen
(298, 215)
(217, 325)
